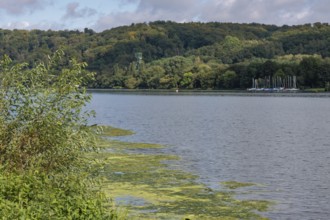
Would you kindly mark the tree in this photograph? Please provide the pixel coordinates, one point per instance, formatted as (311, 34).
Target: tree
(187, 80)
(131, 82)
(41, 119)
(154, 73)
(167, 82)
(43, 137)
(310, 70)
(203, 77)
(229, 79)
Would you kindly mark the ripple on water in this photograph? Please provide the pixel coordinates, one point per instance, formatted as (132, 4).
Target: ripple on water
(281, 142)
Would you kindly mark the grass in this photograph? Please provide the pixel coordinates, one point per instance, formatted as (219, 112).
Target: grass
(315, 90)
(149, 189)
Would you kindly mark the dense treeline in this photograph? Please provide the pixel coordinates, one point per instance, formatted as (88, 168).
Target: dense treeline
(190, 55)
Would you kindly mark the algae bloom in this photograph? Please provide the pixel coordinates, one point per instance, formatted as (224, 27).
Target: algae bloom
(149, 189)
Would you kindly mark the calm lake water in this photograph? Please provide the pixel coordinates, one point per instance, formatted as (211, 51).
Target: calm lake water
(282, 143)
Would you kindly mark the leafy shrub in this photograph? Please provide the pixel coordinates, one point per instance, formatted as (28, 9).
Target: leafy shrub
(43, 139)
(41, 123)
(35, 195)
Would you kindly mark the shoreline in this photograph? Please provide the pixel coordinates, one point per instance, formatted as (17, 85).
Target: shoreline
(212, 92)
(148, 188)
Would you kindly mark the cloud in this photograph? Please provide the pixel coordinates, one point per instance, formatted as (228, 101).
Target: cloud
(171, 6)
(46, 25)
(73, 11)
(277, 12)
(261, 11)
(150, 10)
(320, 12)
(22, 6)
(42, 25)
(18, 25)
(123, 2)
(76, 14)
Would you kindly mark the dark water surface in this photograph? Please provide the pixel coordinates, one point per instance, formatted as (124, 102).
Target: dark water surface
(280, 142)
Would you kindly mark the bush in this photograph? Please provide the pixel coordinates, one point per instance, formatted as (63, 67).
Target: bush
(43, 138)
(35, 195)
(41, 122)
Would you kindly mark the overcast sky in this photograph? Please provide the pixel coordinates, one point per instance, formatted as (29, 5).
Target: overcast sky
(105, 14)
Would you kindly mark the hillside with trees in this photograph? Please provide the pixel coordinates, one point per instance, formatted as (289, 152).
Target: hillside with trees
(165, 54)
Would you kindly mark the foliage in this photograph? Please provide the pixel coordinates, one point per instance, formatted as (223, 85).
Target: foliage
(164, 44)
(41, 122)
(34, 195)
(229, 78)
(44, 173)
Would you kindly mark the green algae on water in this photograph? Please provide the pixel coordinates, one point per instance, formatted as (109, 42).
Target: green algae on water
(112, 131)
(147, 186)
(235, 185)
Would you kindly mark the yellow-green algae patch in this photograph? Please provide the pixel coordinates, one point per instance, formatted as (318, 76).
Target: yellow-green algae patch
(128, 145)
(235, 185)
(112, 131)
(150, 189)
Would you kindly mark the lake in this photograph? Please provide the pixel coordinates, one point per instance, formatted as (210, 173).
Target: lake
(281, 142)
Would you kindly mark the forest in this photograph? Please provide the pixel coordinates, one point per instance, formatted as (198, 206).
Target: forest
(167, 55)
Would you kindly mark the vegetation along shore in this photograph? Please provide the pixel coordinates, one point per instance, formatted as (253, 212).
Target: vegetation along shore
(54, 165)
(194, 55)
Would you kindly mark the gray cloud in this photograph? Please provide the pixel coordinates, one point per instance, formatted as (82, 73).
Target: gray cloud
(150, 10)
(320, 11)
(261, 11)
(73, 11)
(46, 25)
(22, 6)
(128, 1)
(18, 25)
(277, 12)
(169, 6)
(42, 25)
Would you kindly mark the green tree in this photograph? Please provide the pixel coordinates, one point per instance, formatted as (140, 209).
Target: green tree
(43, 140)
(203, 77)
(154, 73)
(168, 82)
(41, 121)
(131, 82)
(310, 71)
(229, 79)
(187, 80)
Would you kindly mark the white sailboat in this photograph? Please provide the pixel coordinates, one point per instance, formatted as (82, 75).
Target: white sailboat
(288, 83)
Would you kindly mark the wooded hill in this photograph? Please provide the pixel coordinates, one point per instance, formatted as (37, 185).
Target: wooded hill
(185, 55)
